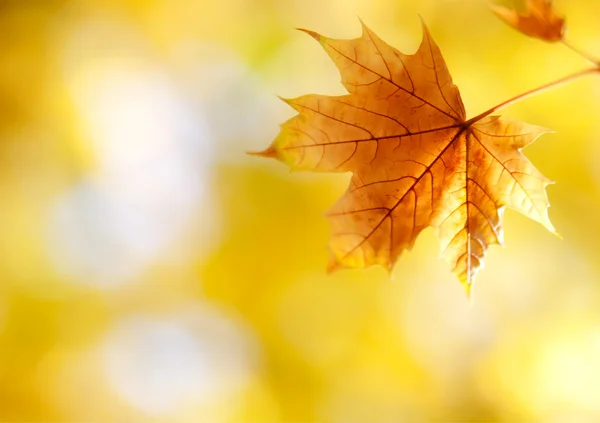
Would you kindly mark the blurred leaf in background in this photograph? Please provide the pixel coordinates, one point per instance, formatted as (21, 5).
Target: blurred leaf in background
(151, 270)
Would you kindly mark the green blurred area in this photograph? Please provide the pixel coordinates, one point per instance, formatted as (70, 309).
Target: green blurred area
(152, 271)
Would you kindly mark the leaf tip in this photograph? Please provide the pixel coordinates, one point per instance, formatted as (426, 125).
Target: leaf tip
(270, 152)
(285, 100)
(425, 34)
(424, 26)
(313, 34)
(467, 286)
(500, 11)
(365, 28)
(550, 227)
(333, 266)
(389, 268)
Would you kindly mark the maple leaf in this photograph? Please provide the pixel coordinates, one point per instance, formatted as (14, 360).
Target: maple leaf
(539, 20)
(415, 158)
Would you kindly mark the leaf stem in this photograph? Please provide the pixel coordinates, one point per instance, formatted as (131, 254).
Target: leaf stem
(533, 92)
(580, 52)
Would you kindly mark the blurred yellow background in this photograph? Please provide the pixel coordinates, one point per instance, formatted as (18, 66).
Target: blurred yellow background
(151, 271)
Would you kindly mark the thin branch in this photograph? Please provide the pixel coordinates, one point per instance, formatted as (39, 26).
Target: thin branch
(534, 91)
(580, 52)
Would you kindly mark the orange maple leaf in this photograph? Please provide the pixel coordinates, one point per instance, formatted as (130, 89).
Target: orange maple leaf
(539, 20)
(415, 158)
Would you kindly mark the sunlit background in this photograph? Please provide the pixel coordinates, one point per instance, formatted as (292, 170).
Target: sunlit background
(151, 271)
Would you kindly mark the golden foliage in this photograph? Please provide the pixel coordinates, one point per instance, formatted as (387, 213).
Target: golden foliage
(539, 20)
(415, 158)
